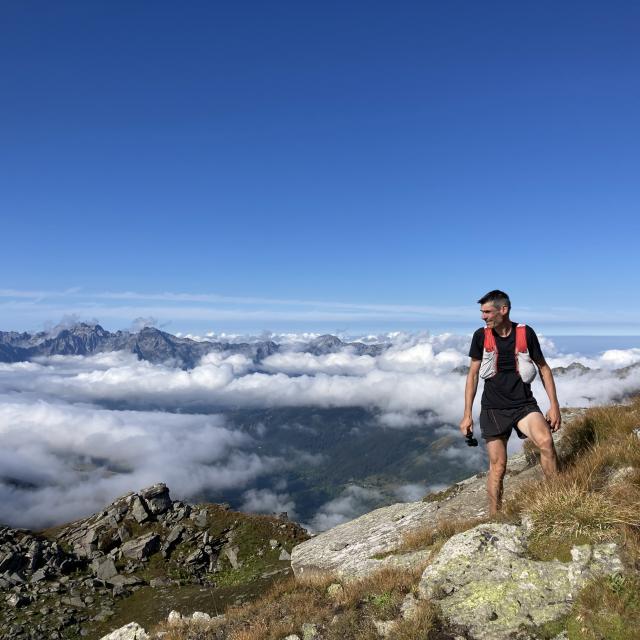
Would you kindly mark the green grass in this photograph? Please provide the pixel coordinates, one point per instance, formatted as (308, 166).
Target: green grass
(608, 608)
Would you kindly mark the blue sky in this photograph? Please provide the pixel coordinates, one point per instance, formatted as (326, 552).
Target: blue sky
(323, 166)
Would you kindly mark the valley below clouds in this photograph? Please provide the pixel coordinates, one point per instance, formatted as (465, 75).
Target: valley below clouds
(324, 436)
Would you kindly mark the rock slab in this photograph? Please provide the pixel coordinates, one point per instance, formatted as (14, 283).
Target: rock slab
(131, 631)
(353, 549)
(484, 582)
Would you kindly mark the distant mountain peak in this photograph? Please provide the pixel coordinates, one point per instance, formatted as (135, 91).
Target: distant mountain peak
(154, 345)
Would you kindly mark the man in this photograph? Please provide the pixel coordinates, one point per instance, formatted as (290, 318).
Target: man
(503, 354)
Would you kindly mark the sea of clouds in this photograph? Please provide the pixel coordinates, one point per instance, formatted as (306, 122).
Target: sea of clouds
(77, 432)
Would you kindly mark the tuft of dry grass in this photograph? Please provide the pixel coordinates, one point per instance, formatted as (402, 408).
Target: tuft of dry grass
(598, 426)
(290, 603)
(597, 494)
(435, 537)
(424, 624)
(561, 509)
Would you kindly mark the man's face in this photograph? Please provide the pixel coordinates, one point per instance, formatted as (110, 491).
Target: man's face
(493, 316)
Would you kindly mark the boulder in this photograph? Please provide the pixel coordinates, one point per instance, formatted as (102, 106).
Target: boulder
(157, 498)
(352, 549)
(284, 555)
(124, 581)
(142, 547)
(139, 510)
(175, 617)
(483, 580)
(16, 600)
(232, 556)
(200, 616)
(104, 568)
(172, 540)
(131, 631)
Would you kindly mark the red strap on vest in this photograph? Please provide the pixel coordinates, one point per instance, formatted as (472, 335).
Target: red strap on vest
(521, 339)
(489, 340)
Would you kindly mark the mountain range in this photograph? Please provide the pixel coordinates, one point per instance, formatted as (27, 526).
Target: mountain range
(153, 345)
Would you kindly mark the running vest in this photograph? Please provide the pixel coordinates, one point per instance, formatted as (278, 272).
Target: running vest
(524, 365)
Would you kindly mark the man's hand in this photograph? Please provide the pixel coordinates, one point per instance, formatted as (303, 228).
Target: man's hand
(466, 425)
(554, 418)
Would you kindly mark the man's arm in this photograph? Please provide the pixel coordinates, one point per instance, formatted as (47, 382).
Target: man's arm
(553, 415)
(466, 424)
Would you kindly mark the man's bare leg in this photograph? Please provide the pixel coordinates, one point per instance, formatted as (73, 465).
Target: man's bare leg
(497, 450)
(536, 428)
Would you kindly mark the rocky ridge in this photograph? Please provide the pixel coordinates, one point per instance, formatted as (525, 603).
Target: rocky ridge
(153, 345)
(484, 580)
(65, 582)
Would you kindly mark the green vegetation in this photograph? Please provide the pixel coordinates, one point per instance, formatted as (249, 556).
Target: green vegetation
(607, 608)
(351, 614)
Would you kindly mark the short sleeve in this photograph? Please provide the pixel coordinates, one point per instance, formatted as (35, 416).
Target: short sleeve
(477, 345)
(533, 344)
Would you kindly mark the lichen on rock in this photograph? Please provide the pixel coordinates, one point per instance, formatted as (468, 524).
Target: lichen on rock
(484, 581)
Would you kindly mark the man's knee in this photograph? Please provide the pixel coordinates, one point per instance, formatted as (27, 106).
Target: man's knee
(544, 442)
(498, 468)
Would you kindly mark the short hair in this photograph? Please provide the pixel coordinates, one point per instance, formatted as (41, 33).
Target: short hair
(497, 298)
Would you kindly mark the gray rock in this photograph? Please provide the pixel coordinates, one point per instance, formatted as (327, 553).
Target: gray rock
(40, 575)
(384, 627)
(409, 607)
(139, 510)
(350, 549)
(483, 580)
(142, 547)
(284, 555)
(175, 617)
(232, 556)
(124, 534)
(160, 582)
(131, 631)
(309, 631)
(621, 476)
(196, 557)
(335, 591)
(121, 581)
(157, 498)
(200, 519)
(172, 540)
(16, 600)
(74, 601)
(200, 616)
(104, 568)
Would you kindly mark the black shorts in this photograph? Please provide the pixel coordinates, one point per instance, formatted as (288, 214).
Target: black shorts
(498, 423)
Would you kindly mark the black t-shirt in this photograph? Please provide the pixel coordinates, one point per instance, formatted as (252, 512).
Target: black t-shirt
(506, 390)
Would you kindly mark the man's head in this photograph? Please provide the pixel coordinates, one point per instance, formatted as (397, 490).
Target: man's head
(494, 308)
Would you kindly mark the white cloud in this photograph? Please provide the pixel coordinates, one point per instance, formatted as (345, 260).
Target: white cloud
(267, 501)
(60, 461)
(353, 502)
(64, 451)
(412, 492)
(399, 420)
(297, 363)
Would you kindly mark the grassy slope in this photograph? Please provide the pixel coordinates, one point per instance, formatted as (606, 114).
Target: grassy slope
(596, 497)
